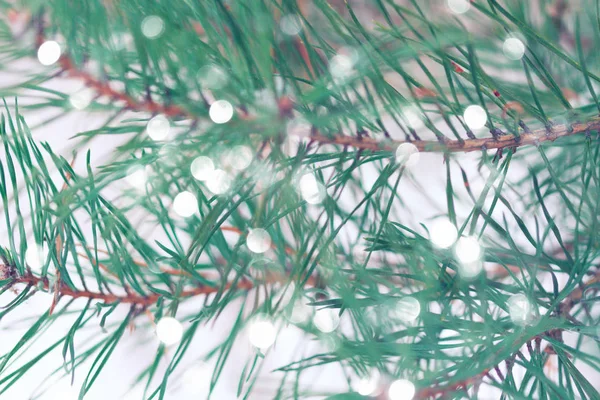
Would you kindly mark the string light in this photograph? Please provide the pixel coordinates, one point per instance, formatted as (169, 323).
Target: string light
(326, 320)
(520, 309)
(221, 111)
(169, 330)
(408, 309)
(36, 255)
(137, 177)
(219, 182)
(185, 204)
(368, 385)
(468, 250)
(262, 333)
(459, 6)
(470, 270)
(81, 99)
(407, 155)
(158, 128)
(413, 117)
(312, 191)
(49, 52)
(341, 66)
(401, 389)
(240, 157)
(443, 233)
(153, 26)
(212, 77)
(475, 117)
(300, 313)
(202, 168)
(290, 24)
(513, 48)
(258, 241)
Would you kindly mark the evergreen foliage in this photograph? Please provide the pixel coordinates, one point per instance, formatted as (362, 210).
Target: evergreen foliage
(330, 103)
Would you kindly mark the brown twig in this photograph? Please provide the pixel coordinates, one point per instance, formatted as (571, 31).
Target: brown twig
(364, 143)
(133, 299)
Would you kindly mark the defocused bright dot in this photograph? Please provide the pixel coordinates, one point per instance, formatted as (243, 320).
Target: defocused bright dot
(49, 52)
(221, 111)
(312, 191)
(153, 26)
(341, 66)
(158, 128)
(513, 48)
(407, 155)
(300, 313)
(185, 204)
(475, 117)
(240, 157)
(202, 168)
(291, 24)
(443, 233)
(82, 98)
(468, 249)
(262, 333)
(368, 385)
(414, 117)
(470, 270)
(219, 182)
(169, 330)
(326, 320)
(258, 241)
(459, 6)
(408, 309)
(520, 309)
(137, 177)
(36, 255)
(212, 77)
(401, 389)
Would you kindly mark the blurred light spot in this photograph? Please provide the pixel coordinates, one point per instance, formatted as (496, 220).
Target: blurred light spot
(212, 77)
(36, 255)
(82, 98)
(459, 6)
(326, 320)
(475, 117)
(291, 24)
(258, 241)
(408, 309)
(153, 26)
(443, 233)
(513, 48)
(169, 330)
(49, 52)
(312, 191)
(158, 128)
(262, 333)
(219, 182)
(407, 155)
(468, 249)
(202, 168)
(221, 111)
(401, 389)
(185, 204)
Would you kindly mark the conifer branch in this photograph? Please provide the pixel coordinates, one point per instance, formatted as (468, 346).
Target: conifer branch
(564, 307)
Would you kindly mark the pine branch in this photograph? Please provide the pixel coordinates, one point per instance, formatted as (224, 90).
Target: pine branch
(564, 308)
(505, 141)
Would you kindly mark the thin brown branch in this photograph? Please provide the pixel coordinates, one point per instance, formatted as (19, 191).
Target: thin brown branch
(134, 299)
(502, 142)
